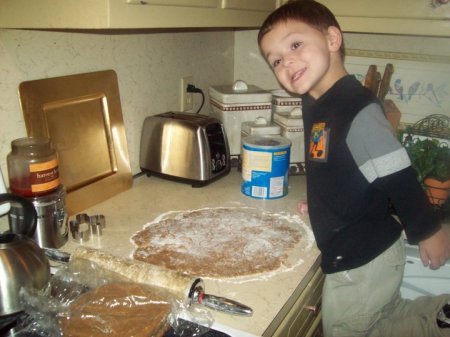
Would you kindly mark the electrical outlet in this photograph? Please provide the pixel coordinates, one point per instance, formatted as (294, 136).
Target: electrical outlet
(187, 98)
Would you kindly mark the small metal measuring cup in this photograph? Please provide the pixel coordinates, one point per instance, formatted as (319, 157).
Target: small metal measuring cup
(80, 228)
(97, 223)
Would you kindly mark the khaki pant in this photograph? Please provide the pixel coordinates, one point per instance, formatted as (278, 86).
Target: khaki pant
(366, 302)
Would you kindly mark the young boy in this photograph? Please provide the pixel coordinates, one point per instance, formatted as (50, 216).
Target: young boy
(355, 168)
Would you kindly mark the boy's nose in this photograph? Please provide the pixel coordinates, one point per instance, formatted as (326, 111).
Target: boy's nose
(287, 61)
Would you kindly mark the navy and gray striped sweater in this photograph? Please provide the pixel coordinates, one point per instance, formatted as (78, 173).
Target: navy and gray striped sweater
(355, 169)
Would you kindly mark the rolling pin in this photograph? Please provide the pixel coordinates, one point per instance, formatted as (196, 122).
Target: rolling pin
(185, 288)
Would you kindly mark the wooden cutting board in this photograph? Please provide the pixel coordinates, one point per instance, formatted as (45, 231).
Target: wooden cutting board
(82, 116)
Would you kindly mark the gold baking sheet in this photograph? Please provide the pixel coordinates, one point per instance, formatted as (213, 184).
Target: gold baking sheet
(82, 116)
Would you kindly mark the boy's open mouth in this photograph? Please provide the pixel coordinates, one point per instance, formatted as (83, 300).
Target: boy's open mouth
(298, 74)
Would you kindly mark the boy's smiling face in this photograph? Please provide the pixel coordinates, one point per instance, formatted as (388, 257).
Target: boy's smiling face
(301, 56)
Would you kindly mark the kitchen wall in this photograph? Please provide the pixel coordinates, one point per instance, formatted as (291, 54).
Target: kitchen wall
(149, 65)
(420, 83)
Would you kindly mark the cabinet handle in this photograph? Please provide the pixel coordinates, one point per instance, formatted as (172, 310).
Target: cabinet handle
(315, 309)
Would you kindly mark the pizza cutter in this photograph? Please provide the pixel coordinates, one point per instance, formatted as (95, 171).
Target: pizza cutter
(197, 295)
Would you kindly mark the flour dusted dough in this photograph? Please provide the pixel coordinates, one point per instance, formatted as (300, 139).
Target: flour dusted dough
(118, 310)
(218, 242)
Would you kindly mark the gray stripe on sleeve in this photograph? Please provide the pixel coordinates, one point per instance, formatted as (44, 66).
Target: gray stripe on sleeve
(374, 147)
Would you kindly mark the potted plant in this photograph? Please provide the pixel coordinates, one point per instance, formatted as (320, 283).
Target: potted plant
(437, 182)
(431, 160)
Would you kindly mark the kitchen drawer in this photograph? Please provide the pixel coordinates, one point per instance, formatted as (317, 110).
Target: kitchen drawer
(304, 318)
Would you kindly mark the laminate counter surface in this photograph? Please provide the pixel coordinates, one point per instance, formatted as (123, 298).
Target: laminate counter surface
(149, 197)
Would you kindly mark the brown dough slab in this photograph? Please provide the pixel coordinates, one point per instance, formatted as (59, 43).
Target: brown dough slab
(118, 310)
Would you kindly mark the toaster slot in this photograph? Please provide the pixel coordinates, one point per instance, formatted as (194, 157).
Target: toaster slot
(217, 147)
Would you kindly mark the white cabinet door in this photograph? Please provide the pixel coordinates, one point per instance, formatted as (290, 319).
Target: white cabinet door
(53, 14)
(412, 9)
(410, 17)
(117, 14)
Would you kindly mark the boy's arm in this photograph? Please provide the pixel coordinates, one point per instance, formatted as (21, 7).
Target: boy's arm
(411, 204)
(384, 162)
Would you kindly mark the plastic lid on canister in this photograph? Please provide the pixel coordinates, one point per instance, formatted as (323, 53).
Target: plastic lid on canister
(282, 97)
(292, 118)
(239, 92)
(266, 142)
(260, 126)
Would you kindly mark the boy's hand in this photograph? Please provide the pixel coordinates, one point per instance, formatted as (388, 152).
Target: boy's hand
(435, 250)
(302, 207)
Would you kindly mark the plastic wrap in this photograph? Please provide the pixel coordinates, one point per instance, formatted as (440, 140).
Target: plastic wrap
(84, 300)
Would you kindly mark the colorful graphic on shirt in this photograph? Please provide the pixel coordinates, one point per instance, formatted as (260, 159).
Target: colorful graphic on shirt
(318, 146)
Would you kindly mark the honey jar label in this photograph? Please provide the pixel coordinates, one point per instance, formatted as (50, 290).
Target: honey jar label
(44, 176)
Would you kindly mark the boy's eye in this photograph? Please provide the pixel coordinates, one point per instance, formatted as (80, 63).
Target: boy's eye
(275, 63)
(295, 45)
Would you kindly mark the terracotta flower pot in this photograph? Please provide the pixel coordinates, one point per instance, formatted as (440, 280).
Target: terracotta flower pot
(437, 191)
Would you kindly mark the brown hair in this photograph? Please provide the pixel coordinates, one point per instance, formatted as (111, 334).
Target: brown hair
(308, 11)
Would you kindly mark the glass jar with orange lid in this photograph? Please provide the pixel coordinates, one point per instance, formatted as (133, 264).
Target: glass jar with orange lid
(32, 167)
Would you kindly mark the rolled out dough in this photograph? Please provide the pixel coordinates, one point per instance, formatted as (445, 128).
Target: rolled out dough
(219, 242)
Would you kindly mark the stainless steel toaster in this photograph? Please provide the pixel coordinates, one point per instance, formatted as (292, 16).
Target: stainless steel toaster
(184, 146)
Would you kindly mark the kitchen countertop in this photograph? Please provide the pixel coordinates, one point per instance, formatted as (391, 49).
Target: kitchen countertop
(149, 197)
(270, 297)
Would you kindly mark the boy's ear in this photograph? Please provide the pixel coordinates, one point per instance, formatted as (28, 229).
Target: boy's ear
(334, 38)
